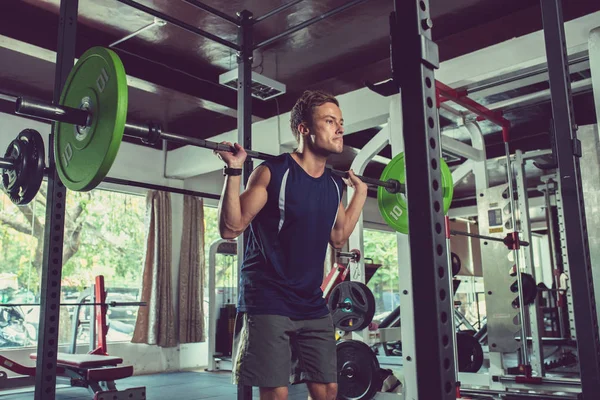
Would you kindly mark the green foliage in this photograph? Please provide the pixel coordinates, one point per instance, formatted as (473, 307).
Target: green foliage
(112, 239)
(382, 248)
(226, 268)
(104, 234)
(211, 228)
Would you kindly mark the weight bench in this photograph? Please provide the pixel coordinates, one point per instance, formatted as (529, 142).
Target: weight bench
(98, 374)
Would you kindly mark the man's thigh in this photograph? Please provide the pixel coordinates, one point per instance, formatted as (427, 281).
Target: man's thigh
(314, 351)
(261, 350)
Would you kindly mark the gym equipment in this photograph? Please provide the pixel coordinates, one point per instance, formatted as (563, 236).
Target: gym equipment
(97, 373)
(105, 304)
(353, 255)
(358, 371)
(23, 167)
(470, 353)
(394, 207)
(511, 240)
(97, 84)
(352, 306)
(456, 263)
(530, 289)
(92, 121)
(96, 370)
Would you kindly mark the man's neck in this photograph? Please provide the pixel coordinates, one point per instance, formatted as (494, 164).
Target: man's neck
(313, 164)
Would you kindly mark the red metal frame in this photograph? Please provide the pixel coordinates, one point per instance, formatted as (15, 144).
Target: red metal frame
(446, 93)
(337, 274)
(101, 326)
(21, 369)
(447, 224)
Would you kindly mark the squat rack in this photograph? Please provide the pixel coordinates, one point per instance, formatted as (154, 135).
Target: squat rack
(414, 73)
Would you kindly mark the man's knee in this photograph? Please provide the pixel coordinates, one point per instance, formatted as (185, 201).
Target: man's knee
(331, 389)
(274, 393)
(322, 391)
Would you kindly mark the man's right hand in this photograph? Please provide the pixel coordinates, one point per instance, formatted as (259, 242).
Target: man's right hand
(233, 160)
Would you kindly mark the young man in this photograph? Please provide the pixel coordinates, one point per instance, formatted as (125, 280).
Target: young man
(292, 204)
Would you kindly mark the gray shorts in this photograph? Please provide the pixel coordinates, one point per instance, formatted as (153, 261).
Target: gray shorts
(275, 351)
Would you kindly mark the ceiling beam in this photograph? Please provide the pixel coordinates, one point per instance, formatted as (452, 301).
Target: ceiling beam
(145, 64)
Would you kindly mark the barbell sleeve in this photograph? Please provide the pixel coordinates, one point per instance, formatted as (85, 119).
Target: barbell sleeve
(347, 254)
(52, 112)
(145, 132)
(6, 163)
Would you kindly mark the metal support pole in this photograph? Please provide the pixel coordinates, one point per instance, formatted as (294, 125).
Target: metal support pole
(244, 121)
(451, 283)
(552, 229)
(307, 23)
(180, 24)
(45, 369)
(532, 311)
(568, 152)
(414, 58)
(213, 11)
(523, 314)
(277, 10)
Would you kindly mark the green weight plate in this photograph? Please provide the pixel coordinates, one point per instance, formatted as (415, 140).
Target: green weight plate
(84, 155)
(393, 206)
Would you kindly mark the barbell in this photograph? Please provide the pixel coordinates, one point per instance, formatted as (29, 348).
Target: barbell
(107, 304)
(91, 121)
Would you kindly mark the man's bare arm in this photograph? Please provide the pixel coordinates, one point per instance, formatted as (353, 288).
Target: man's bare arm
(237, 211)
(348, 217)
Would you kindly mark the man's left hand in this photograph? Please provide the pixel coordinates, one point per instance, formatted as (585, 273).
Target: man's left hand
(356, 183)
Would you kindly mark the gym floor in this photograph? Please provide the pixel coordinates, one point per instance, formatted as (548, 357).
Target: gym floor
(185, 385)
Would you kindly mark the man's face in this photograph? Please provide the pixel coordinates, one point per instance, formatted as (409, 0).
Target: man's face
(327, 130)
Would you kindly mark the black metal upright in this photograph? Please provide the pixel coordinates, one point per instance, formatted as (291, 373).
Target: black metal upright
(414, 58)
(45, 372)
(568, 152)
(244, 123)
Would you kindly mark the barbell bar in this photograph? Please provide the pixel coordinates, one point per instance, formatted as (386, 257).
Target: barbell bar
(109, 304)
(91, 120)
(507, 240)
(152, 133)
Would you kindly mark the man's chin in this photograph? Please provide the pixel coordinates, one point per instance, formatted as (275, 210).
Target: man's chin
(338, 149)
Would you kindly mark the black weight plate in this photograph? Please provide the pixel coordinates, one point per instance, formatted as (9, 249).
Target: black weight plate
(456, 264)
(352, 306)
(24, 181)
(358, 371)
(470, 353)
(12, 179)
(529, 289)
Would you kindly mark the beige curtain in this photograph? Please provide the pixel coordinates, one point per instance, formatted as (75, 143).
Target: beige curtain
(191, 272)
(155, 322)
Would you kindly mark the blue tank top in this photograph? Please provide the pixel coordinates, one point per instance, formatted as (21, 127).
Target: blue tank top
(287, 242)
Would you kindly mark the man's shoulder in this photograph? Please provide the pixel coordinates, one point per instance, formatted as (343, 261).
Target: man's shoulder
(277, 161)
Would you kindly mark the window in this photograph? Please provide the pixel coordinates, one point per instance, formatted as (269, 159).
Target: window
(104, 235)
(381, 249)
(226, 266)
